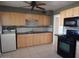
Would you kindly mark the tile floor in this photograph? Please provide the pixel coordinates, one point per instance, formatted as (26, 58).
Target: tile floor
(42, 51)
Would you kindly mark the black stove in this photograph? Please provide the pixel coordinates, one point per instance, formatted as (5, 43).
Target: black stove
(67, 44)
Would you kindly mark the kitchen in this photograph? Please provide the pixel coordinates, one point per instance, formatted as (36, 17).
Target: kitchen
(26, 29)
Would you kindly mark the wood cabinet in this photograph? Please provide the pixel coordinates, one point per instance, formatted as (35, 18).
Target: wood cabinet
(46, 20)
(9, 19)
(62, 16)
(19, 19)
(25, 40)
(72, 12)
(69, 12)
(43, 20)
(65, 14)
(76, 11)
(21, 41)
(0, 19)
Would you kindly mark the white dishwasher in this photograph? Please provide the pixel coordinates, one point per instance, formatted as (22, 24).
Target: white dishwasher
(8, 42)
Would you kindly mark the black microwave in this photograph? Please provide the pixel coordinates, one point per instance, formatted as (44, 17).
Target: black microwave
(71, 22)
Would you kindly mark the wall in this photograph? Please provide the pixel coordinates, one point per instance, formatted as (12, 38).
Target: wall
(55, 30)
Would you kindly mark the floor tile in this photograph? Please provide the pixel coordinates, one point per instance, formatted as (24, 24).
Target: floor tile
(41, 51)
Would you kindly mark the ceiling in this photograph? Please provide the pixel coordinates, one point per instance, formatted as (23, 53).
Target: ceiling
(50, 5)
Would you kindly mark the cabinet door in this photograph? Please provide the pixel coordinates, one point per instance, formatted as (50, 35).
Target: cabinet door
(9, 18)
(38, 39)
(35, 39)
(42, 38)
(29, 41)
(45, 38)
(41, 20)
(28, 16)
(46, 20)
(76, 11)
(62, 16)
(19, 19)
(0, 18)
(12, 19)
(49, 38)
(6, 18)
(21, 41)
(69, 12)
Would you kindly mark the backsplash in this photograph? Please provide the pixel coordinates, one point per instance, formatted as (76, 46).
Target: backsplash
(69, 28)
(19, 30)
(22, 30)
(60, 30)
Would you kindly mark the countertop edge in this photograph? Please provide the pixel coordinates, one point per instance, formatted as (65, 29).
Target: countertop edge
(34, 32)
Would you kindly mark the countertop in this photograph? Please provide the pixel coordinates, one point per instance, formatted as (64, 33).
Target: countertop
(35, 32)
(28, 32)
(60, 34)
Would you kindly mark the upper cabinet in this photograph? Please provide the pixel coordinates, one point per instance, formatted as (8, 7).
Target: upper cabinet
(21, 19)
(11, 19)
(62, 16)
(0, 18)
(72, 12)
(69, 12)
(46, 20)
(42, 20)
(76, 11)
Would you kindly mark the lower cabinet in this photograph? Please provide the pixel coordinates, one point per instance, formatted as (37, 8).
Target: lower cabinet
(26, 40)
(21, 41)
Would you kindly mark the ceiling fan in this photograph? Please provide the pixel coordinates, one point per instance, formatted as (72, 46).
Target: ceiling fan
(36, 4)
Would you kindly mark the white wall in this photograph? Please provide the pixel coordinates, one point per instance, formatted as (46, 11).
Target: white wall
(55, 30)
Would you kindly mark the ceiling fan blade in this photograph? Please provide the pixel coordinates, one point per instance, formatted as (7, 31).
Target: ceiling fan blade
(43, 9)
(27, 2)
(40, 8)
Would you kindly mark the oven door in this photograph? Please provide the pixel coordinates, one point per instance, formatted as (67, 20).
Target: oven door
(66, 47)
